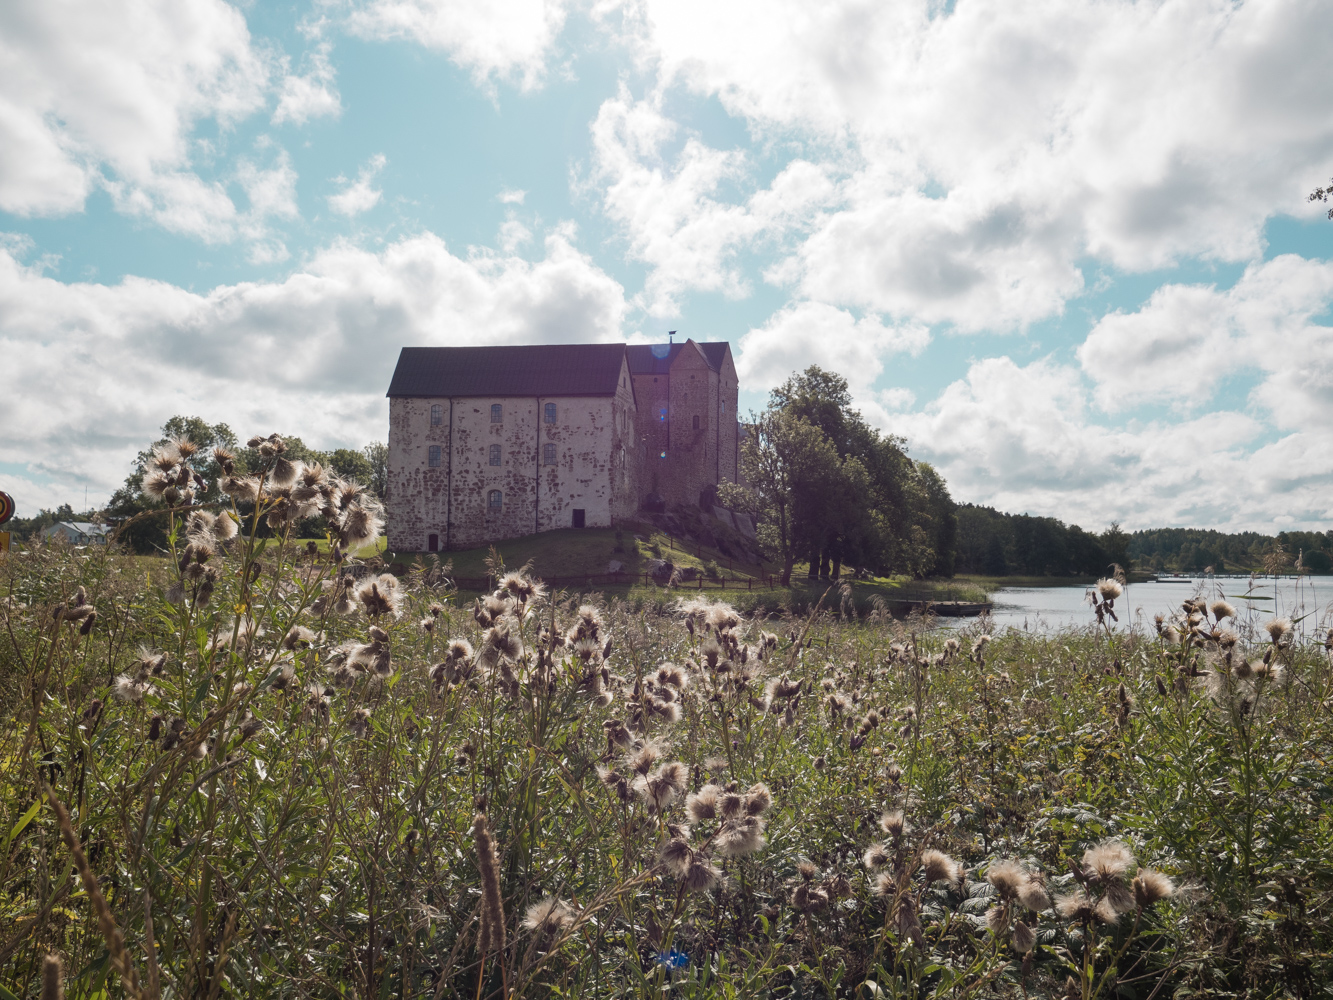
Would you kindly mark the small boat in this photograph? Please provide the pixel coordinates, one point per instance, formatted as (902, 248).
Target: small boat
(944, 609)
(1174, 579)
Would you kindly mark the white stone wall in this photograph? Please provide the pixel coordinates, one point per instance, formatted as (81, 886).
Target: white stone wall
(594, 470)
(418, 495)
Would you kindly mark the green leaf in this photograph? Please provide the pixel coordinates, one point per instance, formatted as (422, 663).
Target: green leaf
(200, 693)
(6, 995)
(24, 820)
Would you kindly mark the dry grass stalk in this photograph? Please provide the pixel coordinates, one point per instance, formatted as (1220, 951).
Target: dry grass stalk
(492, 909)
(115, 941)
(53, 978)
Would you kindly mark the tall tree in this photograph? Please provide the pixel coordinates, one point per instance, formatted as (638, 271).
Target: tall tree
(791, 470)
(377, 454)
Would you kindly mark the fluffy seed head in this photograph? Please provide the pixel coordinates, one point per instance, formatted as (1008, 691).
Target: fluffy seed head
(703, 804)
(1075, 906)
(700, 876)
(1107, 861)
(740, 837)
(1008, 877)
(1023, 940)
(548, 916)
(677, 855)
(1033, 896)
(876, 856)
(1150, 886)
(758, 799)
(939, 867)
(893, 823)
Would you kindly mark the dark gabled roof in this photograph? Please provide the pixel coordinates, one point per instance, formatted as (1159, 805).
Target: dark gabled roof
(716, 353)
(646, 359)
(539, 370)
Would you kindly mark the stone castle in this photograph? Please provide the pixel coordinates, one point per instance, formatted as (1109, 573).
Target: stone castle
(488, 443)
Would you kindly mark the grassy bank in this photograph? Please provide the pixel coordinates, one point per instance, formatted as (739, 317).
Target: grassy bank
(578, 556)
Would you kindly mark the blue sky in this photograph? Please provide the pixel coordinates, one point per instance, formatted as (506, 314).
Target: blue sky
(1063, 248)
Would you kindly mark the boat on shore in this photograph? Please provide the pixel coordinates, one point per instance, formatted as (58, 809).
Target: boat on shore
(944, 609)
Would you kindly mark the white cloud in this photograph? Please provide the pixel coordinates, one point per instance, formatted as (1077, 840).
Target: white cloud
(360, 195)
(815, 333)
(512, 197)
(897, 398)
(1020, 438)
(92, 370)
(980, 154)
(94, 93)
(1186, 339)
(669, 207)
(504, 39)
(310, 95)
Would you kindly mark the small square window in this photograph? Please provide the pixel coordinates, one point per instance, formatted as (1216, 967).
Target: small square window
(495, 500)
(548, 454)
(433, 456)
(497, 413)
(436, 415)
(550, 413)
(495, 454)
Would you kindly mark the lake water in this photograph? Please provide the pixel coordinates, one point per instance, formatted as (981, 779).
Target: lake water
(1049, 609)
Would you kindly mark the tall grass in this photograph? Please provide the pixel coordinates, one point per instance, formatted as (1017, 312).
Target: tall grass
(312, 781)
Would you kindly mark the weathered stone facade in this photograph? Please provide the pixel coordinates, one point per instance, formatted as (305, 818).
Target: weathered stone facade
(473, 458)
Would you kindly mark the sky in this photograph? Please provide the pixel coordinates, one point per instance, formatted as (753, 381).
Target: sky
(1064, 248)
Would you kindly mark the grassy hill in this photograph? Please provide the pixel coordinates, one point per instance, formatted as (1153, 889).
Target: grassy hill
(574, 555)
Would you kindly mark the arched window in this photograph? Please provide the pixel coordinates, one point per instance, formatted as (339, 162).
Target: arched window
(433, 456)
(495, 500)
(497, 413)
(550, 413)
(548, 454)
(436, 414)
(696, 421)
(495, 454)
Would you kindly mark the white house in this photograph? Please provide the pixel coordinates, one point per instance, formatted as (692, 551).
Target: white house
(79, 532)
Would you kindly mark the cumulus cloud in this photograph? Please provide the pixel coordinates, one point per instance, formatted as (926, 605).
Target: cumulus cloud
(359, 195)
(1186, 339)
(93, 370)
(493, 39)
(981, 153)
(92, 93)
(669, 205)
(1023, 438)
(313, 94)
(815, 333)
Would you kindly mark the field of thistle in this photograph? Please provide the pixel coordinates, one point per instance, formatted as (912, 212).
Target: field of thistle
(265, 771)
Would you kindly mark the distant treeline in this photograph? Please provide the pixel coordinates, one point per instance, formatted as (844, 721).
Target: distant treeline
(1195, 549)
(993, 543)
